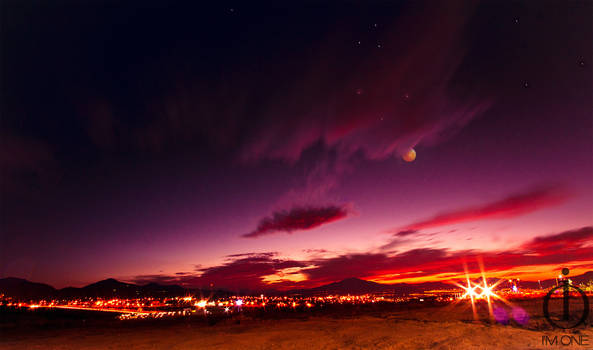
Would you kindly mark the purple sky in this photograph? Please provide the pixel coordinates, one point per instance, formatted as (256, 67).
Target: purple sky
(262, 147)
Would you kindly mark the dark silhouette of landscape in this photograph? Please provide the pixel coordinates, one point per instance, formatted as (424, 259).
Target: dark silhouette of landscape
(21, 288)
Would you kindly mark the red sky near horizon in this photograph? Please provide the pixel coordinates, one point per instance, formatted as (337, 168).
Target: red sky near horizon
(211, 150)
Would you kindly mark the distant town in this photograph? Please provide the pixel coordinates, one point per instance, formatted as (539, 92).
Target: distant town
(129, 301)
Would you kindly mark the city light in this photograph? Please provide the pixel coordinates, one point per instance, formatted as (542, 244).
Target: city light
(476, 291)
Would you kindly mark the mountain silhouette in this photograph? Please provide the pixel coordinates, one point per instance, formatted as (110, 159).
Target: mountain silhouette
(19, 287)
(108, 288)
(352, 286)
(357, 286)
(111, 288)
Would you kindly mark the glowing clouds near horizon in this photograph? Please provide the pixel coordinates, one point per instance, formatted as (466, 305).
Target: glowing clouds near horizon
(409, 156)
(290, 274)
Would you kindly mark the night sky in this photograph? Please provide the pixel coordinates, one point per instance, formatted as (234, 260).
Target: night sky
(260, 145)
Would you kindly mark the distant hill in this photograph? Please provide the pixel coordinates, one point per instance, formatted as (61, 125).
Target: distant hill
(358, 286)
(352, 286)
(155, 289)
(12, 286)
(545, 284)
(407, 288)
(586, 277)
(112, 288)
(109, 288)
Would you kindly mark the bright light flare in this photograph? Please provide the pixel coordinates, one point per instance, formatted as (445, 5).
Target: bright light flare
(487, 292)
(478, 291)
(470, 291)
(482, 290)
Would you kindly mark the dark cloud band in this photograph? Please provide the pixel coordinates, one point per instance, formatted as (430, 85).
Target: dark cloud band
(298, 219)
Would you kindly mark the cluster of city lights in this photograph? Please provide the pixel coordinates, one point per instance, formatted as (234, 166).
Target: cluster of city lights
(479, 290)
(483, 291)
(167, 307)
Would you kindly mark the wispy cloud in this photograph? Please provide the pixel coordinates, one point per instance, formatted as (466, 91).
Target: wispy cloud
(512, 206)
(562, 241)
(298, 219)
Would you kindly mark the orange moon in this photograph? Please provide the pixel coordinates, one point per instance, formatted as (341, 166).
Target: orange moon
(410, 155)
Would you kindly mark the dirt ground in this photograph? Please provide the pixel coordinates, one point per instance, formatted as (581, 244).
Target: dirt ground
(448, 327)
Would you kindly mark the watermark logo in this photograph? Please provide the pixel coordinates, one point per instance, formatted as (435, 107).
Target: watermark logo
(569, 319)
(565, 340)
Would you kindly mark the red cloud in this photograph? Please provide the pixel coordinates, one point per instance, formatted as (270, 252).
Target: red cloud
(512, 206)
(240, 272)
(247, 271)
(557, 249)
(299, 218)
(564, 241)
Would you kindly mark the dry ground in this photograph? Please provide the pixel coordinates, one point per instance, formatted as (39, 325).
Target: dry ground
(448, 327)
